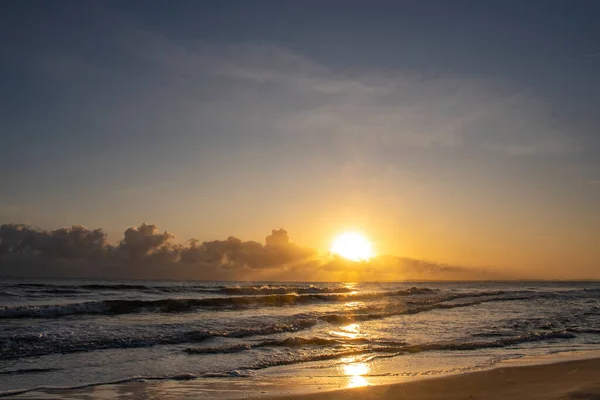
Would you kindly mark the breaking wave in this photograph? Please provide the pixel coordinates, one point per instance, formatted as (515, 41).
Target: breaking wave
(335, 348)
(40, 345)
(37, 345)
(178, 377)
(189, 304)
(219, 289)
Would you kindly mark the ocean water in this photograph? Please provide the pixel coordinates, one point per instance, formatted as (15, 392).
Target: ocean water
(80, 333)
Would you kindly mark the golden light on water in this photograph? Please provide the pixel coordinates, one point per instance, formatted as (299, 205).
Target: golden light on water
(352, 366)
(353, 246)
(355, 370)
(351, 331)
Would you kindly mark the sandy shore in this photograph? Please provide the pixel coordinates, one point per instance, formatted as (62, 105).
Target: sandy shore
(571, 380)
(567, 380)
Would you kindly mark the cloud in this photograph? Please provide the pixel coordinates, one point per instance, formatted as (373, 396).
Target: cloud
(145, 253)
(268, 92)
(233, 253)
(73, 243)
(389, 268)
(393, 108)
(146, 242)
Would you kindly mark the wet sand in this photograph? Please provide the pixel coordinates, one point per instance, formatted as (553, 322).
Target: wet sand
(570, 380)
(577, 379)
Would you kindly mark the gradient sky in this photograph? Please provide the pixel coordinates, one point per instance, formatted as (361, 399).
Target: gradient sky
(464, 132)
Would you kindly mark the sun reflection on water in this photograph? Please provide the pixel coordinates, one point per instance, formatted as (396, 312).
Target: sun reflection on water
(351, 331)
(355, 370)
(351, 305)
(353, 367)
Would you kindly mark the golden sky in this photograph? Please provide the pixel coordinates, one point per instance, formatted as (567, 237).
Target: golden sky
(441, 148)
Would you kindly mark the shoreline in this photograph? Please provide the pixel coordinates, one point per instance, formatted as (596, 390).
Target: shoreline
(565, 376)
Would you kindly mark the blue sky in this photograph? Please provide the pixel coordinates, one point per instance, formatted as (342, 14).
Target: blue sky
(464, 131)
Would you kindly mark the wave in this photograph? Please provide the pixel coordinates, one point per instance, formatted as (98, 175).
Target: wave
(170, 305)
(178, 377)
(28, 371)
(291, 342)
(188, 304)
(422, 307)
(114, 287)
(36, 345)
(228, 290)
(503, 342)
(57, 288)
(40, 345)
(54, 310)
(217, 289)
(236, 373)
(332, 355)
(51, 291)
(83, 286)
(266, 289)
(33, 285)
(336, 348)
(391, 349)
(236, 297)
(314, 341)
(584, 330)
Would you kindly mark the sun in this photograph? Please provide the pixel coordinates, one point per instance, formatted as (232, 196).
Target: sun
(353, 246)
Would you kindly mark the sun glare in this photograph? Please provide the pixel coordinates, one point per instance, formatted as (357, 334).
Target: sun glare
(353, 246)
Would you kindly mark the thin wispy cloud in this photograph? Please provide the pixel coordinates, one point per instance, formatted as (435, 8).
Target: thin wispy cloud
(274, 93)
(301, 96)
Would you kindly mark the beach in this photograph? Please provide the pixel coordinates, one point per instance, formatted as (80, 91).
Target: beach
(228, 340)
(578, 379)
(536, 378)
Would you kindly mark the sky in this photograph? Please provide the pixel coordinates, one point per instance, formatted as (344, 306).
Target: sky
(463, 133)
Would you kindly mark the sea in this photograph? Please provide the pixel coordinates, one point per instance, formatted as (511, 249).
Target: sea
(168, 339)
